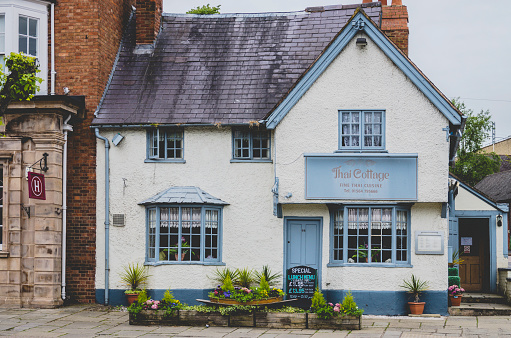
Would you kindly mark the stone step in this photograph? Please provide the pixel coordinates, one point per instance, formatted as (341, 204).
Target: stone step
(488, 298)
(480, 309)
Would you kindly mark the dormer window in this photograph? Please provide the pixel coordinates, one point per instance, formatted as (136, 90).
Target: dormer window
(361, 130)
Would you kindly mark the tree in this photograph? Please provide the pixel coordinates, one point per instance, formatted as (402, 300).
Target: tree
(20, 82)
(472, 165)
(205, 10)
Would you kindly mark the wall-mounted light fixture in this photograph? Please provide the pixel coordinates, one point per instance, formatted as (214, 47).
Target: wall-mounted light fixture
(499, 220)
(117, 139)
(361, 42)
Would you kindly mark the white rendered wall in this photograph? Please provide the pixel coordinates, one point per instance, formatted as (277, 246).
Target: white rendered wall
(468, 201)
(252, 236)
(363, 78)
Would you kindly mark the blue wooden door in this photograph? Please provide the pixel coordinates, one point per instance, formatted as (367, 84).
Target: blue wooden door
(303, 243)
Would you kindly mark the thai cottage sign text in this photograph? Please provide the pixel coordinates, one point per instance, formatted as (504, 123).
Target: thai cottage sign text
(361, 177)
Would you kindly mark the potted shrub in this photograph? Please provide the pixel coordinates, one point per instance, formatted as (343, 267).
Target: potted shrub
(415, 286)
(134, 275)
(455, 294)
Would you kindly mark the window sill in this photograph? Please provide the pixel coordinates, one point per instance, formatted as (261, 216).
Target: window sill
(4, 254)
(361, 151)
(251, 161)
(372, 265)
(185, 263)
(148, 160)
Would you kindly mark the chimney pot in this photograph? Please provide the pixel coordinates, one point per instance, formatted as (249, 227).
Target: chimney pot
(397, 3)
(366, 1)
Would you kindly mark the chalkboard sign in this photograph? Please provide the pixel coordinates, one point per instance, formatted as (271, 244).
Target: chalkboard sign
(301, 283)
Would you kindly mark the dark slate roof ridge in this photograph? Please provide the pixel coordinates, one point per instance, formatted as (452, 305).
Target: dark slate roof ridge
(493, 182)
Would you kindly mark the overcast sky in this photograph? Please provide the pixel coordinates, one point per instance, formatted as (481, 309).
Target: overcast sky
(463, 46)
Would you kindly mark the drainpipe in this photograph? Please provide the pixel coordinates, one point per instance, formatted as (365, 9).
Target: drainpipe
(107, 212)
(53, 72)
(66, 128)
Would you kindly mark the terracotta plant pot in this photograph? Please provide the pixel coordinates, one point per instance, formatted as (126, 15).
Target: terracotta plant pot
(416, 308)
(455, 300)
(182, 256)
(131, 297)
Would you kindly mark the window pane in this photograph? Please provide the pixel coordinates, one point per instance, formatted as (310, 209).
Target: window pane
(23, 25)
(2, 34)
(32, 27)
(23, 45)
(32, 46)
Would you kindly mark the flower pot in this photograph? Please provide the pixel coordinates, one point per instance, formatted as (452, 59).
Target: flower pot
(416, 308)
(455, 300)
(182, 256)
(131, 297)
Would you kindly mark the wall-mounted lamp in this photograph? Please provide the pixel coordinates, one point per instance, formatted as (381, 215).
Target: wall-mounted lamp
(361, 42)
(499, 220)
(117, 139)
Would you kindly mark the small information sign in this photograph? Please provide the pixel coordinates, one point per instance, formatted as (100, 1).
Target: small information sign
(466, 249)
(466, 241)
(36, 188)
(301, 283)
(429, 243)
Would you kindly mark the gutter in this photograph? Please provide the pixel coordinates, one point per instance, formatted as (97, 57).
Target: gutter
(458, 138)
(107, 212)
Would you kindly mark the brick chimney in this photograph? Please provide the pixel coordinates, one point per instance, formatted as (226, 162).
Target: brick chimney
(148, 20)
(394, 23)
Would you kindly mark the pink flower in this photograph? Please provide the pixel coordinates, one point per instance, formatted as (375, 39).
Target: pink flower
(156, 302)
(149, 302)
(216, 292)
(154, 307)
(337, 309)
(330, 304)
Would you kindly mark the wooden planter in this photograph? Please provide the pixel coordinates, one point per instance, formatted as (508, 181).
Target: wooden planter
(276, 320)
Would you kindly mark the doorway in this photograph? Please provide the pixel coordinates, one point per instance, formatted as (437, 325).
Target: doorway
(474, 247)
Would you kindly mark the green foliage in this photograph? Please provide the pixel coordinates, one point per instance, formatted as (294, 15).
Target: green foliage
(456, 257)
(142, 296)
(228, 285)
(263, 285)
(206, 9)
(271, 278)
(20, 82)
(221, 274)
(452, 272)
(453, 280)
(415, 286)
(325, 312)
(318, 300)
(168, 297)
(134, 275)
(349, 306)
(227, 310)
(286, 309)
(471, 165)
(245, 277)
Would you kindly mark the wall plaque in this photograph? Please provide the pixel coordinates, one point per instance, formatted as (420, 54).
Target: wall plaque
(429, 243)
(361, 177)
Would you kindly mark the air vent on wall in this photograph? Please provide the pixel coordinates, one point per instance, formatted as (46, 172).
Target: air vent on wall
(118, 220)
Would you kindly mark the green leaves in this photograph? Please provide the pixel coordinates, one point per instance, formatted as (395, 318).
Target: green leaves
(471, 165)
(205, 10)
(415, 286)
(134, 275)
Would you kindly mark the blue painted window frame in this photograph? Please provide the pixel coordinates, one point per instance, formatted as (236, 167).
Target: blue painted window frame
(177, 135)
(362, 130)
(153, 245)
(339, 256)
(252, 137)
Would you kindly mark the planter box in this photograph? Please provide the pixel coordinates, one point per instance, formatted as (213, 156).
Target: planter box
(228, 301)
(195, 318)
(338, 323)
(274, 320)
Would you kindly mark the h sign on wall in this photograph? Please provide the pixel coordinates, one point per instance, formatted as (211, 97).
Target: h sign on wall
(36, 188)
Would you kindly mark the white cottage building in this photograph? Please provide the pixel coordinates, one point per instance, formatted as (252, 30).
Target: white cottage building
(289, 139)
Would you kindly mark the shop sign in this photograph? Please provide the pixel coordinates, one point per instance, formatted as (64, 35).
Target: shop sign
(301, 282)
(36, 186)
(361, 177)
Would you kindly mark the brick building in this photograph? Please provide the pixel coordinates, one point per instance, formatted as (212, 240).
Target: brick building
(76, 44)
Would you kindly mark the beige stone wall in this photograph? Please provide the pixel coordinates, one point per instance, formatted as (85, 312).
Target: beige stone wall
(501, 148)
(30, 260)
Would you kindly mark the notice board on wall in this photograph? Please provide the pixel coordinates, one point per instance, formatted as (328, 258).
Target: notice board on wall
(429, 243)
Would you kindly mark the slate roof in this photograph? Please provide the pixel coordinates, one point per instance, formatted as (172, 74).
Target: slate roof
(183, 195)
(225, 68)
(497, 186)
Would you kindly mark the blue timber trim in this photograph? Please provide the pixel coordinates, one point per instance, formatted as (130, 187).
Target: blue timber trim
(320, 247)
(345, 36)
(187, 296)
(391, 303)
(491, 216)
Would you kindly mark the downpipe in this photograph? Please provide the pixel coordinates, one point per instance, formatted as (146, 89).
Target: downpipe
(66, 128)
(107, 213)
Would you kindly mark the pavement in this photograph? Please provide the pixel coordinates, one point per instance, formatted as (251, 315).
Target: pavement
(99, 321)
